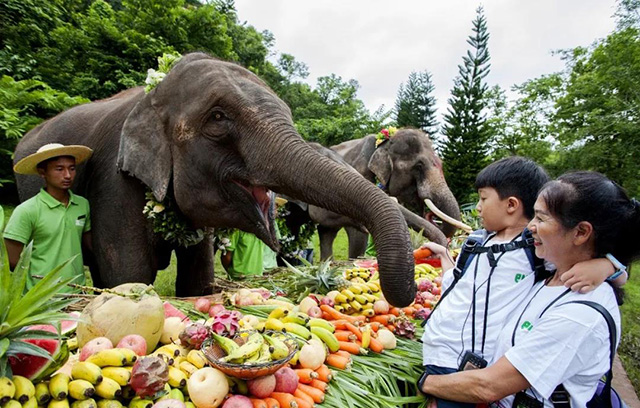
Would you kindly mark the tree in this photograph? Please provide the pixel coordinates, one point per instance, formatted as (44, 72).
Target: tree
(415, 105)
(466, 134)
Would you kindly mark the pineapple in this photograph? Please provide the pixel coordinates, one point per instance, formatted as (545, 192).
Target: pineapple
(19, 309)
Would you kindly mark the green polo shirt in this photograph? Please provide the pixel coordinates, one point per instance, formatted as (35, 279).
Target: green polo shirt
(247, 255)
(56, 232)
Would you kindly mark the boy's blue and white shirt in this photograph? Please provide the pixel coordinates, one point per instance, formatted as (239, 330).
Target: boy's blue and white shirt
(448, 332)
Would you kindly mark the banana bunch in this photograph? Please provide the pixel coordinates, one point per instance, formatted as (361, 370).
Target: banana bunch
(426, 271)
(302, 327)
(358, 298)
(258, 348)
(357, 275)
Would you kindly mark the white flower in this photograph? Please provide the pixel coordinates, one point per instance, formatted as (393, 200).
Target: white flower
(149, 203)
(158, 208)
(154, 77)
(225, 241)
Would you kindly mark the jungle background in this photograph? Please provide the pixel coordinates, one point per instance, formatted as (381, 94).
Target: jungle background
(59, 53)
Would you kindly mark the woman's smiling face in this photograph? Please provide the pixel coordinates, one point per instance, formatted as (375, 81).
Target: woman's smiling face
(552, 241)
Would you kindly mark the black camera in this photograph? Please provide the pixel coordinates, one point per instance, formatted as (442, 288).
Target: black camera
(472, 361)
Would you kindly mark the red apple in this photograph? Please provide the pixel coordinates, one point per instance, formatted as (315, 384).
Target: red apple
(215, 309)
(203, 305)
(134, 342)
(93, 346)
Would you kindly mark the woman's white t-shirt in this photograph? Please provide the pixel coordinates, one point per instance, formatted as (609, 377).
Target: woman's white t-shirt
(568, 345)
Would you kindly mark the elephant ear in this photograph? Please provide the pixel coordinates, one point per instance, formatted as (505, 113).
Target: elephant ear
(381, 165)
(145, 151)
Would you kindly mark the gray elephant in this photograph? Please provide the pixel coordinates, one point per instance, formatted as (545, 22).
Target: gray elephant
(215, 139)
(408, 168)
(329, 223)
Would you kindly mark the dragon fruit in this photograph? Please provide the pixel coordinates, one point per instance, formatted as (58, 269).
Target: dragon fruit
(422, 314)
(425, 285)
(404, 327)
(194, 335)
(149, 375)
(226, 323)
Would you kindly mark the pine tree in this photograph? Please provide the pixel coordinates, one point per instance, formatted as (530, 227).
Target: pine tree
(466, 134)
(415, 105)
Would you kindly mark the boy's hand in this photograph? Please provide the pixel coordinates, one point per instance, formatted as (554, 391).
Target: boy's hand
(442, 253)
(585, 276)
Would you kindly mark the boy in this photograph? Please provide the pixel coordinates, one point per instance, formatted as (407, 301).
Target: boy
(469, 316)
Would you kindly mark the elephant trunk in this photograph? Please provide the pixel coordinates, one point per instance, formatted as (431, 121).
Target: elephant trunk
(429, 230)
(293, 168)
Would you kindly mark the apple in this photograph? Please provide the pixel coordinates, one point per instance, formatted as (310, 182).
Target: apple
(215, 309)
(203, 305)
(207, 387)
(134, 342)
(93, 346)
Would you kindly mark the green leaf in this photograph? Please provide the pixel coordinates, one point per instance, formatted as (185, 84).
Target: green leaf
(4, 345)
(22, 347)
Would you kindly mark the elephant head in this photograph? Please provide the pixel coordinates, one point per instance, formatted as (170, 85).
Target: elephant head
(218, 139)
(409, 169)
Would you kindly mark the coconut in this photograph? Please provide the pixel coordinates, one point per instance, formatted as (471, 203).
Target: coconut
(115, 316)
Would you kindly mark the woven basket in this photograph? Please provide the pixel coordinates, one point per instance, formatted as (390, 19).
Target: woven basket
(247, 371)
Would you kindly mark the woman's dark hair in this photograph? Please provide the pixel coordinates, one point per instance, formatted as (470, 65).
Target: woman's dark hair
(514, 176)
(592, 197)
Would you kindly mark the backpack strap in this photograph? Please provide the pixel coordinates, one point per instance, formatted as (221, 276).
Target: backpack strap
(606, 391)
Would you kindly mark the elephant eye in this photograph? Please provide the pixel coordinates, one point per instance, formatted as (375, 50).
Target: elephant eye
(218, 115)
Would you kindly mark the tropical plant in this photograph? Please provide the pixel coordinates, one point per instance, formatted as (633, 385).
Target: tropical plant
(20, 309)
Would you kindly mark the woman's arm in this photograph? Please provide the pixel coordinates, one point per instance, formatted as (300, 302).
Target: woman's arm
(585, 276)
(485, 385)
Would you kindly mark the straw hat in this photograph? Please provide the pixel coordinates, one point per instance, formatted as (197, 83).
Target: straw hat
(29, 164)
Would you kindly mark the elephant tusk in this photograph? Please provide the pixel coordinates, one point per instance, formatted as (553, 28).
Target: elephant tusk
(445, 217)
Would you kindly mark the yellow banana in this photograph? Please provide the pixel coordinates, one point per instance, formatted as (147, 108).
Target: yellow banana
(355, 305)
(31, 403)
(316, 322)
(188, 368)
(297, 329)
(361, 299)
(138, 402)
(298, 318)
(339, 308)
(72, 343)
(84, 370)
(108, 389)
(172, 349)
(128, 392)
(280, 349)
(348, 294)
(12, 404)
(88, 403)
(109, 357)
(327, 338)
(63, 403)
(228, 345)
(7, 390)
(366, 336)
(176, 394)
(178, 360)
(274, 324)
(278, 313)
(370, 298)
(340, 298)
(43, 395)
(373, 286)
(24, 389)
(177, 378)
(164, 354)
(252, 346)
(59, 386)
(368, 312)
(129, 355)
(81, 389)
(109, 403)
(294, 359)
(197, 358)
(118, 374)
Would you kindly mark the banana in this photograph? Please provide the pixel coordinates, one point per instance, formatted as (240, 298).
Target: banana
(265, 353)
(316, 322)
(128, 392)
(118, 374)
(88, 403)
(348, 294)
(188, 368)
(280, 349)
(327, 338)
(356, 306)
(278, 313)
(340, 298)
(355, 289)
(107, 403)
(164, 354)
(370, 298)
(43, 395)
(178, 360)
(138, 402)
(7, 390)
(59, 386)
(129, 355)
(24, 389)
(109, 389)
(84, 370)
(81, 389)
(110, 357)
(177, 378)
(294, 359)
(171, 349)
(176, 394)
(63, 403)
(367, 306)
(298, 318)
(197, 358)
(298, 330)
(72, 343)
(366, 336)
(373, 286)
(12, 404)
(274, 324)
(247, 349)
(361, 299)
(31, 403)
(189, 404)
(229, 346)
(339, 308)
(368, 312)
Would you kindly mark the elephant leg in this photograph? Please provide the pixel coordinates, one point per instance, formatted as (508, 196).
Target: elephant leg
(327, 236)
(357, 242)
(195, 269)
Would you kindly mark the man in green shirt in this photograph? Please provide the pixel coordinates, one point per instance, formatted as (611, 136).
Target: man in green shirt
(244, 256)
(56, 220)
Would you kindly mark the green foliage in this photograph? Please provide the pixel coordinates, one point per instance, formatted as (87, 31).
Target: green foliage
(629, 349)
(23, 105)
(466, 134)
(415, 104)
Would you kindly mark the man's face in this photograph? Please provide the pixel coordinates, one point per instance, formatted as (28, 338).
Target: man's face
(59, 172)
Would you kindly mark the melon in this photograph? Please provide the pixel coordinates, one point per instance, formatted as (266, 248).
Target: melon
(114, 316)
(171, 311)
(67, 327)
(36, 368)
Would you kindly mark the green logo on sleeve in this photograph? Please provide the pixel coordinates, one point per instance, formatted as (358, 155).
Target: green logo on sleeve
(519, 277)
(526, 326)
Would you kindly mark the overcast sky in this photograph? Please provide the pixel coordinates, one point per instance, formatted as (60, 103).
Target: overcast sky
(378, 43)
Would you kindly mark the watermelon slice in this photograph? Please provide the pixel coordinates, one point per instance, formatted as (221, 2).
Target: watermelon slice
(66, 326)
(171, 311)
(366, 263)
(36, 368)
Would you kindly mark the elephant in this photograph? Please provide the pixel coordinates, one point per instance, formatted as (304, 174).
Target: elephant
(408, 168)
(215, 139)
(329, 223)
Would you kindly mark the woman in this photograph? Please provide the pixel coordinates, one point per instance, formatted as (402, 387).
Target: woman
(579, 216)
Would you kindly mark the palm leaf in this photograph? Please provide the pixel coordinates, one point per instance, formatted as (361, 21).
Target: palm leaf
(22, 347)
(5, 279)
(43, 318)
(19, 278)
(35, 334)
(4, 346)
(57, 304)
